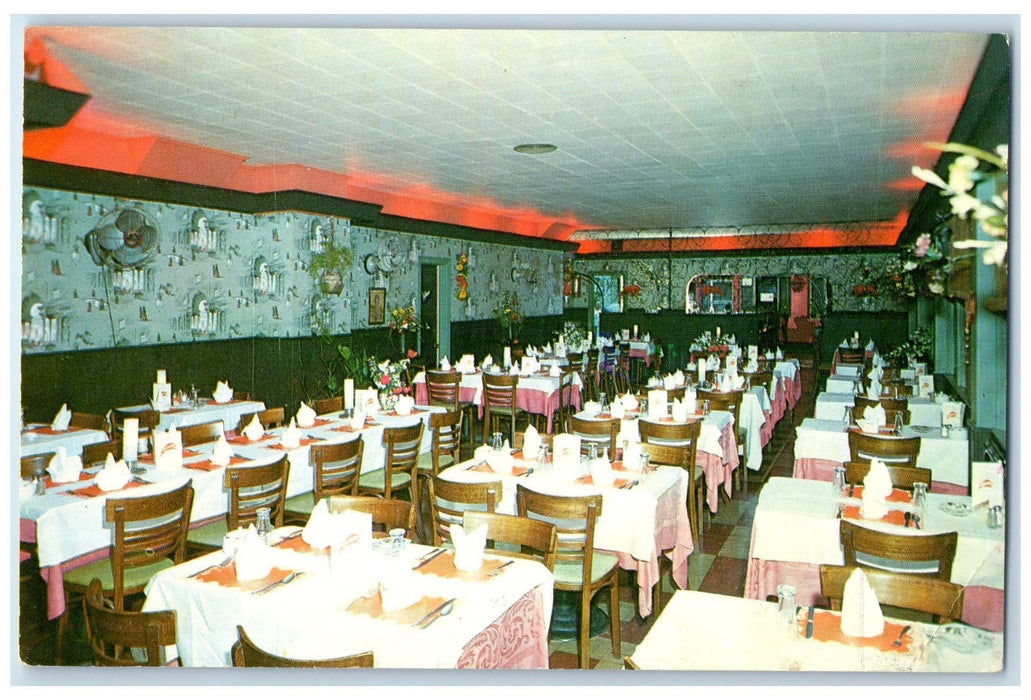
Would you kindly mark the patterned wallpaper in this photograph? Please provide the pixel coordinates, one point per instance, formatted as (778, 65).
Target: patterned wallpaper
(843, 271)
(193, 274)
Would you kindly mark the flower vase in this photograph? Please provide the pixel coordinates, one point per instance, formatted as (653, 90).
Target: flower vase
(403, 344)
(387, 400)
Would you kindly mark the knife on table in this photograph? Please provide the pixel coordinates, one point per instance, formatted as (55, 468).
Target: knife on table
(432, 614)
(809, 624)
(428, 558)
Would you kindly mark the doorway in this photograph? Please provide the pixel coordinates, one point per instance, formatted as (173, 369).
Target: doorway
(434, 309)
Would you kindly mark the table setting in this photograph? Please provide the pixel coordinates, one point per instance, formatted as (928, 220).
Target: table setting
(330, 589)
(38, 438)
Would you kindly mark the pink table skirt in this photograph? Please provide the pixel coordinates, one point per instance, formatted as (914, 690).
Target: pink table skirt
(673, 538)
(766, 431)
(780, 401)
(719, 469)
(642, 355)
(823, 470)
(518, 639)
(466, 394)
(529, 400)
(793, 389)
(983, 607)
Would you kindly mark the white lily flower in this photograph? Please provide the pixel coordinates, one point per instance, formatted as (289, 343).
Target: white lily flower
(995, 251)
(930, 177)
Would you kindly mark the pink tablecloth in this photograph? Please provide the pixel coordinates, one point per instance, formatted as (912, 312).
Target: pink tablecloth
(529, 400)
(983, 607)
(719, 469)
(823, 470)
(673, 538)
(517, 639)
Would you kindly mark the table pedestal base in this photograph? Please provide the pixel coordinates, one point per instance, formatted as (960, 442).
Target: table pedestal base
(565, 617)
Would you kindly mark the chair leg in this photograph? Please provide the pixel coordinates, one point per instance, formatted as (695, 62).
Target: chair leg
(615, 623)
(584, 639)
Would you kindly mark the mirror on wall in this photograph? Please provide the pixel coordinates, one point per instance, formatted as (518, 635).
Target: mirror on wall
(720, 294)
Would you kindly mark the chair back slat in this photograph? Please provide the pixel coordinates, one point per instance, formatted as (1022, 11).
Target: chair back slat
(333, 404)
(601, 433)
(926, 555)
(443, 387)
(201, 433)
(36, 465)
(446, 436)
(269, 418)
(247, 654)
(536, 539)
(387, 513)
(729, 401)
(574, 518)
(336, 468)
(891, 449)
(97, 453)
(449, 500)
(253, 487)
(920, 593)
(117, 638)
(901, 477)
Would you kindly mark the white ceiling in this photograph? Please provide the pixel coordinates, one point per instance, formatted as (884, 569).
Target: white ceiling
(654, 129)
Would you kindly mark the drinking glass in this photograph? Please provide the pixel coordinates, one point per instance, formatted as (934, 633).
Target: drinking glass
(603, 400)
(848, 417)
(397, 540)
(919, 496)
(495, 441)
(705, 407)
(839, 480)
(646, 463)
(264, 524)
(543, 458)
(786, 606)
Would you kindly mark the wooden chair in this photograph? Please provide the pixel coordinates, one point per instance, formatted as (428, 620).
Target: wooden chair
(566, 391)
(149, 419)
(201, 433)
(760, 378)
(450, 500)
(578, 567)
(335, 470)
(400, 464)
(629, 665)
(685, 456)
(600, 433)
(897, 389)
(36, 465)
(269, 418)
(446, 443)
(729, 401)
(89, 421)
(890, 449)
(444, 388)
(851, 356)
(331, 405)
(246, 654)
(499, 403)
(535, 539)
(97, 453)
(149, 535)
(942, 599)
(387, 513)
(889, 404)
(250, 488)
(901, 477)
(925, 555)
(589, 390)
(680, 435)
(119, 638)
(621, 375)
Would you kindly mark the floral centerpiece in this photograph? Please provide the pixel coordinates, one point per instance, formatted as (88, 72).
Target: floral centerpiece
(631, 290)
(916, 349)
(574, 336)
(709, 344)
(391, 381)
(404, 318)
(964, 173)
(507, 312)
(922, 268)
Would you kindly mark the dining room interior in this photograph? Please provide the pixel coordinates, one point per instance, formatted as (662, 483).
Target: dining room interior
(439, 347)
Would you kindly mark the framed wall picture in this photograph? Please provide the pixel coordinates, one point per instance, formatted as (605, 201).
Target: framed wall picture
(377, 306)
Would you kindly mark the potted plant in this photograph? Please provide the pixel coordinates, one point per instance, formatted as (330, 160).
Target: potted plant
(327, 267)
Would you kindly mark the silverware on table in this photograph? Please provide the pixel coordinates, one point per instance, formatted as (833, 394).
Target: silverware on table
(907, 518)
(224, 562)
(435, 614)
(428, 558)
(809, 623)
(275, 584)
(498, 570)
(898, 642)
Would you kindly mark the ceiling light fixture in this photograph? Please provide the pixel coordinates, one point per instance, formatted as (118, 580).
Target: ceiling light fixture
(534, 149)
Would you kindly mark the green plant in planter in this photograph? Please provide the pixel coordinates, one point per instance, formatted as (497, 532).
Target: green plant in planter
(327, 268)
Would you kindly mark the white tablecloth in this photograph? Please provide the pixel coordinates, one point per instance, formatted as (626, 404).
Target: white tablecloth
(847, 369)
(307, 618)
(947, 458)
(831, 406)
(39, 439)
(228, 413)
(842, 384)
(796, 521)
(708, 437)
(747, 635)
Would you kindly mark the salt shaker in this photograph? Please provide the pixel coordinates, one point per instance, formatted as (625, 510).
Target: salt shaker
(263, 525)
(786, 606)
(994, 516)
(839, 480)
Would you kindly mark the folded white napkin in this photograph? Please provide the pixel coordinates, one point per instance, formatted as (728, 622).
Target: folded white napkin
(878, 361)
(168, 449)
(222, 393)
(875, 373)
(253, 557)
(861, 614)
(291, 437)
(876, 489)
(632, 456)
(657, 400)
(358, 419)
(113, 476)
(779, 354)
(62, 419)
(566, 452)
(602, 473)
(591, 408)
(501, 461)
(404, 406)
(629, 401)
(678, 378)
(514, 369)
(327, 529)
(870, 346)
(876, 415)
(691, 400)
(64, 469)
(874, 392)
(547, 349)
(555, 371)
(617, 410)
(678, 410)
(655, 382)
(488, 361)
(867, 426)
(305, 416)
(254, 430)
(222, 453)
(466, 365)
(751, 366)
(669, 382)
(531, 443)
(445, 365)
(469, 546)
(737, 383)
(530, 351)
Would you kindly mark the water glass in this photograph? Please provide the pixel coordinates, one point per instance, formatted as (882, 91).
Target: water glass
(994, 517)
(496, 442)
(646, 463)
(919, 497)
(264, 524)
(543, 458)
(397, 540)
(839, 480)
(786, 606)
(848, 417)
(705, 407)
(603, 400)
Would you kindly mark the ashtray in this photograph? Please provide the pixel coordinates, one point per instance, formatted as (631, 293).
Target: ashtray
(963, 639)
(960, 510)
